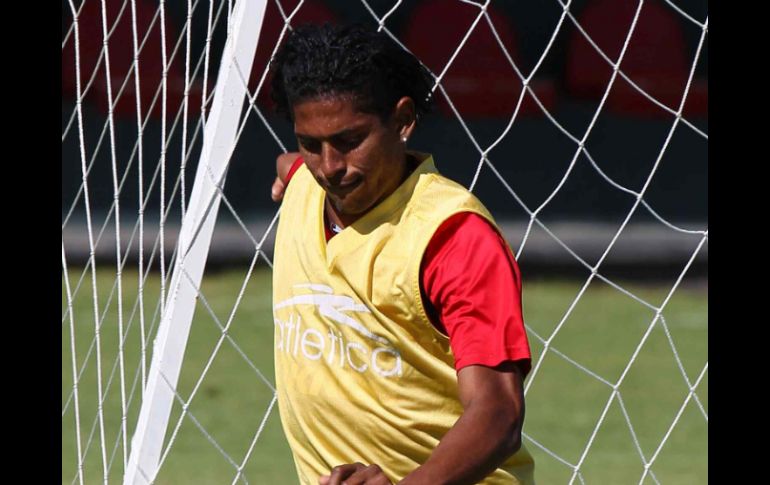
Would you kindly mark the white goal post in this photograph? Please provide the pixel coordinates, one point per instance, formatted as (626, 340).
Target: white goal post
(194, 240)
(150, 87)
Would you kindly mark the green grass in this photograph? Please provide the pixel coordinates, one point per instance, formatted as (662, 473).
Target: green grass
(564, 403)
(602, 333)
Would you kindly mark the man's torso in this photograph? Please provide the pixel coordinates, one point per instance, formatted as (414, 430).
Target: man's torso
(362, 375)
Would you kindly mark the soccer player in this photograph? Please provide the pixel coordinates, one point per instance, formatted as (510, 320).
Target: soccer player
(400, 348)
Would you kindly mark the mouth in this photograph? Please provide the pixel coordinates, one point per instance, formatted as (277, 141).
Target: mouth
(343, 189)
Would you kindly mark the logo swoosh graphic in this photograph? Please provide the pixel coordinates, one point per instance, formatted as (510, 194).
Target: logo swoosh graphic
(332, 306)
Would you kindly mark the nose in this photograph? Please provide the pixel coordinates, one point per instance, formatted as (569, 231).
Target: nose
(332, 164)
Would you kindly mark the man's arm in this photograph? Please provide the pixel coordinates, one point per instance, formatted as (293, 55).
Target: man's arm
(485, 435)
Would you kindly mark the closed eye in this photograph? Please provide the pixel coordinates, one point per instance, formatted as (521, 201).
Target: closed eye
(309, 144)
(347, 143)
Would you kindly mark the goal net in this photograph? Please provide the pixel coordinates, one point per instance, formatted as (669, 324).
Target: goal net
(581, 125)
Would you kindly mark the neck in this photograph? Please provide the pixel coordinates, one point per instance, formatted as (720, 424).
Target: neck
(335, 217)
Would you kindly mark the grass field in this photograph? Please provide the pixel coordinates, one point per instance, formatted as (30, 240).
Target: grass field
(564, 403)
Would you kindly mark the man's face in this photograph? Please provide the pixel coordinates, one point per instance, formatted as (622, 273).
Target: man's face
(355, 157)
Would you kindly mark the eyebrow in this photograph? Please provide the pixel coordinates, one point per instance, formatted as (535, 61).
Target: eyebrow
(340, 134)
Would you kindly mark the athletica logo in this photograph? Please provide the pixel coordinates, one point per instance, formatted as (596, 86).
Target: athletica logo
(378, 355)
(332, 306)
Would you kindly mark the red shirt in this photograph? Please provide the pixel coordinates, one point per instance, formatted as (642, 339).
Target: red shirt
(471, 290)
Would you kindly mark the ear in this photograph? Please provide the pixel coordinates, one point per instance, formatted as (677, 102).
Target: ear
(405, 117)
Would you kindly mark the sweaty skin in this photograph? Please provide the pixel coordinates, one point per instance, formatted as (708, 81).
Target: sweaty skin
(355, 157)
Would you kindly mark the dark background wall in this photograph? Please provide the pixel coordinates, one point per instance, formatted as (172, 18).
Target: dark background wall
(625, 142)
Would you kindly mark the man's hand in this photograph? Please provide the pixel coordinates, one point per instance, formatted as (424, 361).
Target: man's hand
(282, 166)
(355, 474)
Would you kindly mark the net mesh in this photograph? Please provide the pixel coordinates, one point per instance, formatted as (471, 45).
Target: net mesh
(140, 79)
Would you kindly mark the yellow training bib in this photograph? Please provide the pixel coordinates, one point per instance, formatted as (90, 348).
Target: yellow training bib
(362, 374)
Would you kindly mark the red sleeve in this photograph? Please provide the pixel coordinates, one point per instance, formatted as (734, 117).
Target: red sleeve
(473, 289)
(294, 167)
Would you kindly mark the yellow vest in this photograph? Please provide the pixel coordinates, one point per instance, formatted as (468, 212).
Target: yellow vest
(362, 374)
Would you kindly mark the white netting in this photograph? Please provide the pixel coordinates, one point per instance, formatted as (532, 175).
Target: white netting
(141, 84)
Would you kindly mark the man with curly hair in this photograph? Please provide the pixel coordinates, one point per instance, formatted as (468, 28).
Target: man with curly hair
(400, 349)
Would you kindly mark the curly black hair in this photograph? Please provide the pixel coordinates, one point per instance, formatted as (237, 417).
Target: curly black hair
(348, 60)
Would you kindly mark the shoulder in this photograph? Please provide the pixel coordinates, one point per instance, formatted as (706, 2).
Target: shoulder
(438, 198)
(464, 230)
(295, 165)
(467, 242)
(299, 195)
(299, 181)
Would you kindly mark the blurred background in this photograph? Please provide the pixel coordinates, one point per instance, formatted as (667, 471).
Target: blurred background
(626, 140)
(615, 291)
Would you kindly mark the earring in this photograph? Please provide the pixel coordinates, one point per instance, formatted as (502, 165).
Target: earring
(403, 139)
